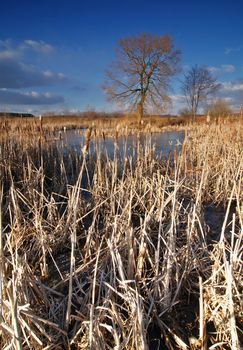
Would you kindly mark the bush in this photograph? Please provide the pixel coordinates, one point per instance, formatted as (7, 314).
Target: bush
(219, 108)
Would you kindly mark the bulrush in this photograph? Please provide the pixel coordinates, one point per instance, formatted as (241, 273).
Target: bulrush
(87, 141)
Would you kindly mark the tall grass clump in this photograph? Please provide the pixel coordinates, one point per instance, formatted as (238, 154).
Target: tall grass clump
(139, 253)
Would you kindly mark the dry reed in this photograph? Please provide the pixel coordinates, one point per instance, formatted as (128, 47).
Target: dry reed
(102, 253)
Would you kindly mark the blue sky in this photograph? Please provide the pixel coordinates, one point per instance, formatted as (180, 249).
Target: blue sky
(53, 54)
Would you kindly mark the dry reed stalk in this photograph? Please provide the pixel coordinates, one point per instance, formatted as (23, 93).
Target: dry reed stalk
(14, 313)
(202, 324)
(233, 329)
(131, 255)
(143, 245)
(93, 301)
(145, 221)
(181, 344)
(223, 285)
(1, 255)
(74, 204)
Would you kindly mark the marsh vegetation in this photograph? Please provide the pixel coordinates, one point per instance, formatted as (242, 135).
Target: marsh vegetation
(140, 254)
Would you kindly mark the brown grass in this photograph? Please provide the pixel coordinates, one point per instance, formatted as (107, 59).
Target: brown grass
(88, 119)
(98, 255)
(52, 126)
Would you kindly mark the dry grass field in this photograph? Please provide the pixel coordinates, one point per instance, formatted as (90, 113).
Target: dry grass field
(99, 253)
(100, 121)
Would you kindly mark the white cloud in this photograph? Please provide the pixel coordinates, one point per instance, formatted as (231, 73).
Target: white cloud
(229, 100)
(232, 92)
(8, 49)
(32, 93)
(61, 75)
(7, 54)
(38, 46)
(10, 97)
(228, 68)
(229, 50)
(11, 49)
(47, 73)
(177, 98)
(17, 75)
(232, 86)
(223, 69)
(178, 103)
(213, 69)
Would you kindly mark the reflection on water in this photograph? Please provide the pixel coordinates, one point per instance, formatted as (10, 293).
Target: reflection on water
(163, 143)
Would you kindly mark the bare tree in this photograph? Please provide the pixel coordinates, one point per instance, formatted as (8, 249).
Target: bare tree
(197, 85)
(219, 108)
(142, 71)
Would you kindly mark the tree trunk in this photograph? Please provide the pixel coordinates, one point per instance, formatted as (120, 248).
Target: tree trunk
(141, 109)
(194, 110)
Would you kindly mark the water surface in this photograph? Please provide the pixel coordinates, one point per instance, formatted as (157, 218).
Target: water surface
(125, 146)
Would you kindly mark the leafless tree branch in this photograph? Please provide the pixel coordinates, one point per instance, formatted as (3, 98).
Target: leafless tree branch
(141, 74)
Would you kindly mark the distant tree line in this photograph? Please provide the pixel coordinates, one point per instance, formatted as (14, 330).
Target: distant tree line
(16, 115)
